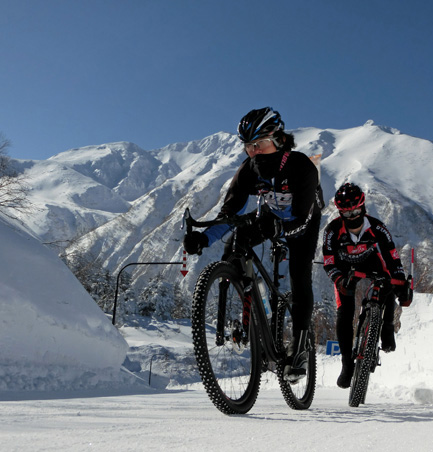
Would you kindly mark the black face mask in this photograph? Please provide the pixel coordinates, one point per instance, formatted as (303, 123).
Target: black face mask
(266, 165)
(354, 223)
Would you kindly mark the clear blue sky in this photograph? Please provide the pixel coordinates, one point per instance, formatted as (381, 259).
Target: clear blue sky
(154, 72)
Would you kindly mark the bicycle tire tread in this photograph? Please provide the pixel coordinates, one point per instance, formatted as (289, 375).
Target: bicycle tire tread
(209, 274)
(366, 349)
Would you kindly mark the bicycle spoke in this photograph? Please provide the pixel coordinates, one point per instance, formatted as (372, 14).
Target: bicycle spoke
(228, 362)
(298, 394)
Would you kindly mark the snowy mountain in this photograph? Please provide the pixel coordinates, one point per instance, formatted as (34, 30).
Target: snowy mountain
(123, 204)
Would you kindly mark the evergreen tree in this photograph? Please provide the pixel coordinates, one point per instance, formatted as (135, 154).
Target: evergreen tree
(182, 303)
(157, 298)
(98, 282)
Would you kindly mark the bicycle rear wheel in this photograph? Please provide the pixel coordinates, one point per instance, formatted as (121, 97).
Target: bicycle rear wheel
(229, 362)
(298, 395)
(365, 354)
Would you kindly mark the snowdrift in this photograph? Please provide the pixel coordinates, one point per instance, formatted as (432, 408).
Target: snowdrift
(51, 331)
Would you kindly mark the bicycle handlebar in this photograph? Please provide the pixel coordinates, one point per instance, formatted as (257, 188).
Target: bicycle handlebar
(381, 280)
(376, 277)
(236, 220)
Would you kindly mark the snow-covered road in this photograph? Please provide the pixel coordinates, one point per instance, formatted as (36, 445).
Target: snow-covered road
(186, 420)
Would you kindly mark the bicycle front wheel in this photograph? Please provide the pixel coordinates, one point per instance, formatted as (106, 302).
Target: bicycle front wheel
(299, 394)
(228, 354)
(365, 355)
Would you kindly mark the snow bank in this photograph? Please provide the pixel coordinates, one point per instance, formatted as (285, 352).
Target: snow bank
(407, 373)
(52, 333)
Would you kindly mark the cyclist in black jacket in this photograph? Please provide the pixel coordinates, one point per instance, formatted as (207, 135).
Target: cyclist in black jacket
(289, 182)
(358, 241)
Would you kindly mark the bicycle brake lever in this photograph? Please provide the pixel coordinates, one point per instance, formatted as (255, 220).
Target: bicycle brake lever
(186, 216)
(278, 228)
(259, 205)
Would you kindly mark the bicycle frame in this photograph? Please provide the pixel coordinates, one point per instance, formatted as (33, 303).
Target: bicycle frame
(372, 296)
(267, 331)
(250, 261)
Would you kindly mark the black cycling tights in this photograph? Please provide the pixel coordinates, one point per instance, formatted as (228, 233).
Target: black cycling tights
(301, 252)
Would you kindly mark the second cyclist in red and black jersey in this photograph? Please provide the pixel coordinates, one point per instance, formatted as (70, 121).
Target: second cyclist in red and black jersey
(361, 242)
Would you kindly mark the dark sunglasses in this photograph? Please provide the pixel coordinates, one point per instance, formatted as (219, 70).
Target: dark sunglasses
(351, 213)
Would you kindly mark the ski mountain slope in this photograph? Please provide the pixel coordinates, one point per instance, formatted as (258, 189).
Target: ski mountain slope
(125, 204)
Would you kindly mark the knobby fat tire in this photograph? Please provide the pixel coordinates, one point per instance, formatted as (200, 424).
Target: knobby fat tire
(232, 391)
(365, 354)
(298, 396)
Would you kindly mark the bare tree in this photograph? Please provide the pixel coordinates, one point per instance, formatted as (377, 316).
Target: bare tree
(13, 189)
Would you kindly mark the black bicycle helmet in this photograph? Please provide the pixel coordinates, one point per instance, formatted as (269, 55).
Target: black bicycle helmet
(349, 196)
(259, 124)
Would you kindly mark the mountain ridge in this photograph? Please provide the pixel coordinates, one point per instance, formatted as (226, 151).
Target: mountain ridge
(151, 189)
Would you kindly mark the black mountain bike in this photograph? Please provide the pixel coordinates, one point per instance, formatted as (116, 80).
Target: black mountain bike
(234, 338)
(366, 345)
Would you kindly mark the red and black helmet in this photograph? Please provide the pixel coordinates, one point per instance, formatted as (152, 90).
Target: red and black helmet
(348, 197)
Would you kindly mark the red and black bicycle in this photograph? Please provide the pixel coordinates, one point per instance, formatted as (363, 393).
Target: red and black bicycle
(366, 348)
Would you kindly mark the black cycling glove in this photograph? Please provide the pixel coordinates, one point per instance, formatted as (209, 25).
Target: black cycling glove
(194, 242)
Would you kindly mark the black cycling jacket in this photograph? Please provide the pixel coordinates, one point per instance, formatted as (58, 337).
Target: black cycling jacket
(293, 194)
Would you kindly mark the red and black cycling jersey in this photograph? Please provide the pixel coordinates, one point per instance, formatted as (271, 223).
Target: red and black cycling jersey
(373, 251)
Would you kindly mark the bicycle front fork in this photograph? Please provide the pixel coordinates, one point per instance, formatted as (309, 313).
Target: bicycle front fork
(239, 332)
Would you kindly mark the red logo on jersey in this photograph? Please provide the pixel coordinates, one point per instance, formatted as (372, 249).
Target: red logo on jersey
(394, 254)
(328, 260)
(358, 249)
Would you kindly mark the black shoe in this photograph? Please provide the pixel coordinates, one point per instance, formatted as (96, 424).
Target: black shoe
(387, 348)
(345, 376)
(296, 367)
(297, 359)
(388, 339)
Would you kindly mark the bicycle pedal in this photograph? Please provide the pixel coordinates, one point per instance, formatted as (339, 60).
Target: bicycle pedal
(296, 377)
(375, 363)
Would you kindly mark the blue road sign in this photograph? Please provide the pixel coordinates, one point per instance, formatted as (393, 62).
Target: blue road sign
(332, 348)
